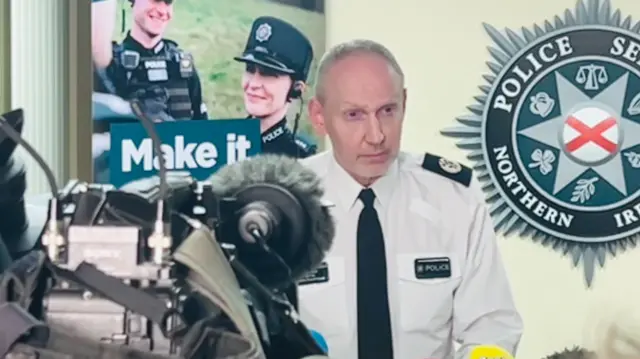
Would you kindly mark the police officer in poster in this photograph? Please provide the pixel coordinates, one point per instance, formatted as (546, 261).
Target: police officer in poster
(277, 60)
(153, 69)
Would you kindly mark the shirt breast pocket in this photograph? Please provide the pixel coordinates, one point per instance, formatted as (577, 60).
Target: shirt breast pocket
(323, 306)
(426, 301)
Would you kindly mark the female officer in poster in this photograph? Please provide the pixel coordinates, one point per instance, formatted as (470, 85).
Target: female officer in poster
(278, 59)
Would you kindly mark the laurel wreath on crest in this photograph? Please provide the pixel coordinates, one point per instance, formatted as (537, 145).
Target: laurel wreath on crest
(506, 46)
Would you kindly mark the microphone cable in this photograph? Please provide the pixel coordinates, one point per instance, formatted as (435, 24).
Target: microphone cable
(161, 239)
(296, 125)
(259, 238)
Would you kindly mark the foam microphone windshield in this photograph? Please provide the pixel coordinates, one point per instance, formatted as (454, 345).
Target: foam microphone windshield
(283, 198)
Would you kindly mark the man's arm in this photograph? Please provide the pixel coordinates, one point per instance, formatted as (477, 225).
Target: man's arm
(484, 311)
(103, 22)
(195, 93)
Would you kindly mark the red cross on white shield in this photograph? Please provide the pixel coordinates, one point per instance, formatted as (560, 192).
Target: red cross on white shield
(591, 135)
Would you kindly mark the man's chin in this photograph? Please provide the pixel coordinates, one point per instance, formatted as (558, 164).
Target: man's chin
(154, 31)
(375, 170)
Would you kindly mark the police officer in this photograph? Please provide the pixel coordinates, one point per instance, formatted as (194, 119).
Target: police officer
(414, 265)
(154, 69)
(277, 60)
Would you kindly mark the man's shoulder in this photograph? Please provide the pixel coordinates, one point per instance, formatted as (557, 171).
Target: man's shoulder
(435, 169)
(441, 179)
(438, 168)
(171, 45)
(170, 42)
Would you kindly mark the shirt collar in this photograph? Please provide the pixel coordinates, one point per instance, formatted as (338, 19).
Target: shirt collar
(347, 189)
(274, 132)
(135, 45)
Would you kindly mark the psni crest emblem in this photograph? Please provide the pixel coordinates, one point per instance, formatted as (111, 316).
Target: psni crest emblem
(555, 136)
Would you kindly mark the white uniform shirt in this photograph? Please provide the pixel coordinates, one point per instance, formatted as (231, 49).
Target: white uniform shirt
(423, 215)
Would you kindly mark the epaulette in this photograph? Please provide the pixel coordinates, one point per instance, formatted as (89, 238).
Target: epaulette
(305, 145)
(446, 168)
(170, 44)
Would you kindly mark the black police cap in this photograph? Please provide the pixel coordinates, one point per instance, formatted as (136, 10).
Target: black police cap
(278, 45)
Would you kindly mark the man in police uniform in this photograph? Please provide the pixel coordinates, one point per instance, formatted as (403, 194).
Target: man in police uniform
(415, 265)
(154, 69)
(277, 60)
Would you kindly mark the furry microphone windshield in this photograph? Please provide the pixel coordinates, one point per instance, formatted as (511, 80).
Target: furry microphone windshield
(287, 173)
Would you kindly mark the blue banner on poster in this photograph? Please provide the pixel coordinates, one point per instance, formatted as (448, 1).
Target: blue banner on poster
(199, 147)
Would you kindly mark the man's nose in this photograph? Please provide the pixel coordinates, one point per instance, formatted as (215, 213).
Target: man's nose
(162, 7)
(374, 134)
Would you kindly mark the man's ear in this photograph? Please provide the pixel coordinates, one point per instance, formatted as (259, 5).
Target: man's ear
(316, 116)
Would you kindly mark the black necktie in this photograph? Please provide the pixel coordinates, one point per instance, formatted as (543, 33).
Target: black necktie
(374, 320)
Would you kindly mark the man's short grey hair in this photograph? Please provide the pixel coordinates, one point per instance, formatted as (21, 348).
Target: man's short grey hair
(346, 49)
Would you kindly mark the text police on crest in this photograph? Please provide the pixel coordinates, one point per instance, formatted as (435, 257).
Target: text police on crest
(558, 135)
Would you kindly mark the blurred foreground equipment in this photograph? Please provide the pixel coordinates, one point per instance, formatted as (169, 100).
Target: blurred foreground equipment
(573, 353)
(166, 267)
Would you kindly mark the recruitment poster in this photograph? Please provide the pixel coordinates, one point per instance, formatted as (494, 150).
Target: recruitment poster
(211, 75)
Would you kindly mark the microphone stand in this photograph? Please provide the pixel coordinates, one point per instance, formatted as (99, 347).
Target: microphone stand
(282, 333)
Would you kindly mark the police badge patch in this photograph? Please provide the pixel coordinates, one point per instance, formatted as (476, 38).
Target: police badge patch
(263, 33)
(556, 133)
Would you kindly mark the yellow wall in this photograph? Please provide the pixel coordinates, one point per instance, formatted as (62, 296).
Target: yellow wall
(442, 47)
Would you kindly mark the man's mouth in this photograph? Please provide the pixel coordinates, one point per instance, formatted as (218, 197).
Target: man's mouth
(376, 157)
(156, 17)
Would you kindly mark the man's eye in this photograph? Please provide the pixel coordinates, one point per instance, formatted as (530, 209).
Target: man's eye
(353, 115)
(388, 110)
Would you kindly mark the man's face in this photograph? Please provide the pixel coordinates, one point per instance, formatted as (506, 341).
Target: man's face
(362, 111)
(152, 16)
(265, 90)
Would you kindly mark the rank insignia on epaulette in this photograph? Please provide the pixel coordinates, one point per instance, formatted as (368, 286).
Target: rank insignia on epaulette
(301, 143)
(447, 168)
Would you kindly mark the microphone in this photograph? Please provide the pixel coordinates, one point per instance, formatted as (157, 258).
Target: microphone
(489, 352)
(283, 225)
(322, 343)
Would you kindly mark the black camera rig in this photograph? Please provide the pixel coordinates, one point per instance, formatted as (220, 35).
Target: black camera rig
(148, 265)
